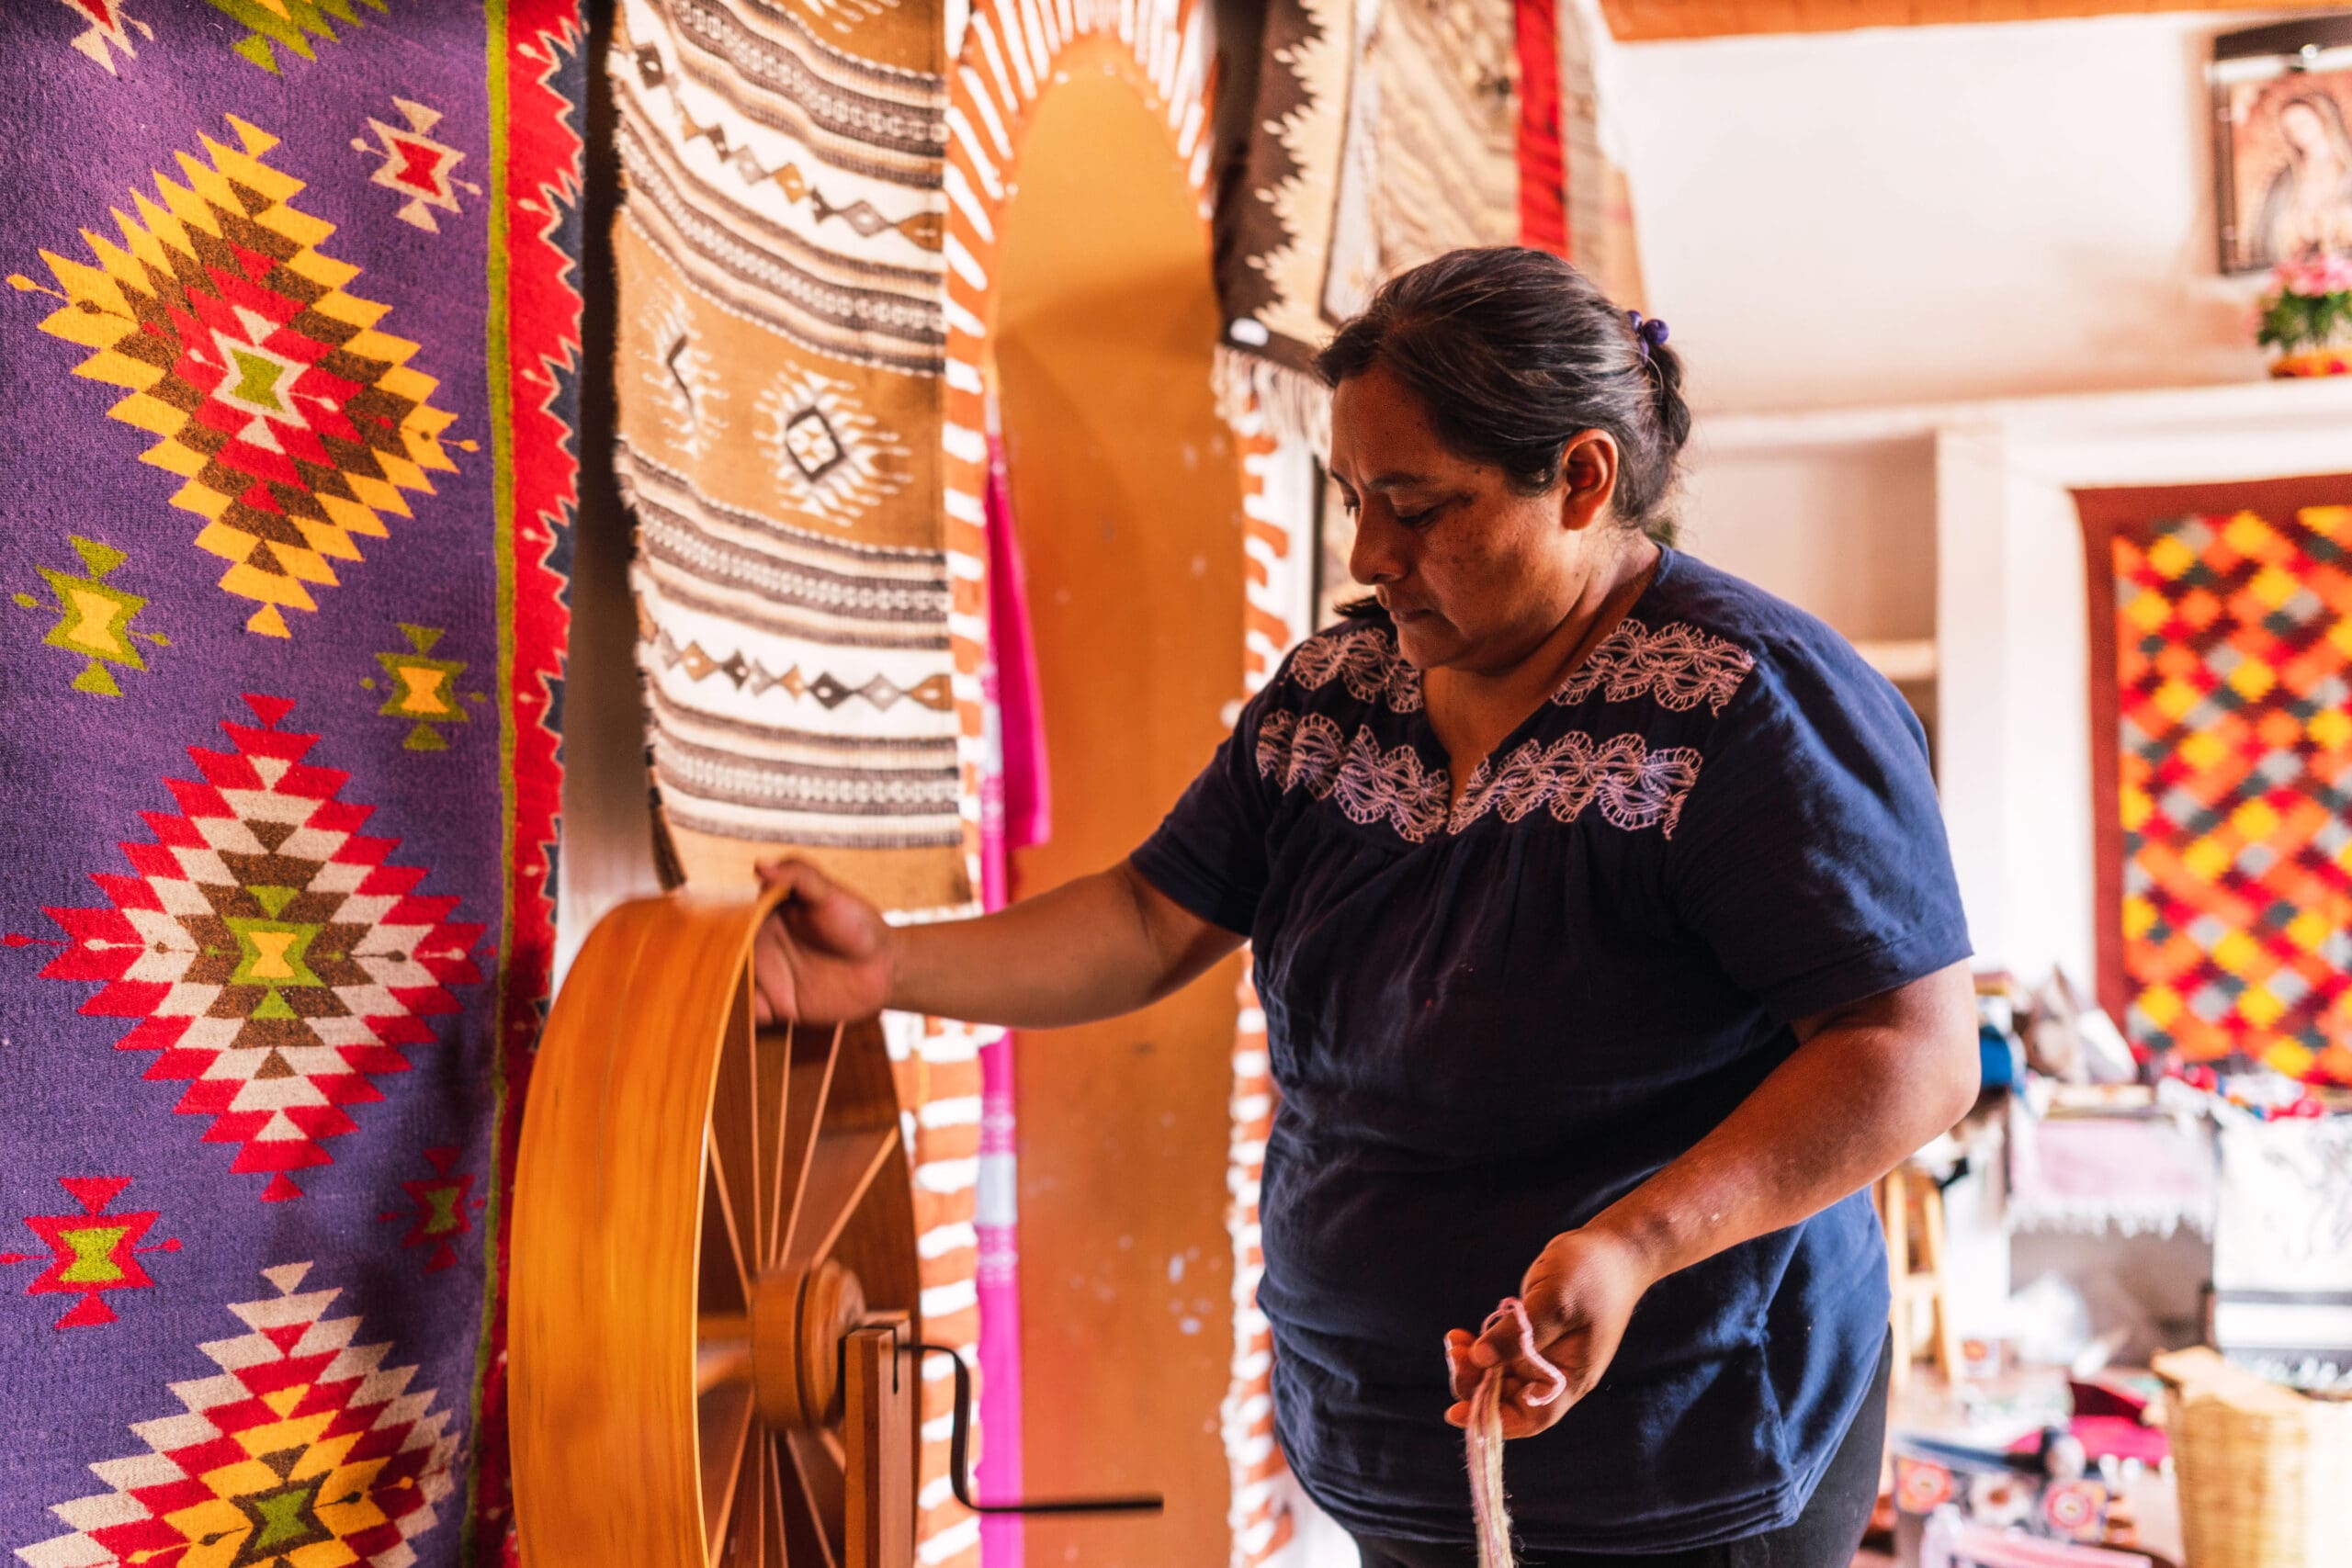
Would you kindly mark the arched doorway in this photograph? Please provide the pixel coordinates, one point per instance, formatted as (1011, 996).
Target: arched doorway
(1125, 491)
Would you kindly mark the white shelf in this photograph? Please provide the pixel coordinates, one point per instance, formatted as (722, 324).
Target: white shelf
(2318, 400)
(1904, 660)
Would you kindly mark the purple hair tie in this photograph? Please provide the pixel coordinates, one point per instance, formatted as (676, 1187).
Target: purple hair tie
(1650, 331)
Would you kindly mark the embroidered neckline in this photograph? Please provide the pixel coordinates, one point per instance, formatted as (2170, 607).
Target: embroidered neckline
(1364, 659)
(1632, 784)
(1677, 665)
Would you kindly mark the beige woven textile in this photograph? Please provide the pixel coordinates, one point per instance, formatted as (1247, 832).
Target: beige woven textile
(782, 338)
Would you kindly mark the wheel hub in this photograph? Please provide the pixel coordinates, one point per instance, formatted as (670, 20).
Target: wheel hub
(799, 1317)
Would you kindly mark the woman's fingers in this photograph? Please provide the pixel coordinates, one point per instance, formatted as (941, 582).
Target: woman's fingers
(1461, 1374)
(774, 995)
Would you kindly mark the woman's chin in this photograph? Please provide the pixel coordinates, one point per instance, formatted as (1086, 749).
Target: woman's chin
(1423, 638)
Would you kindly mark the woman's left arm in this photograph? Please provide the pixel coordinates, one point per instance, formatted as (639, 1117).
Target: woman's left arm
(1868, 1084)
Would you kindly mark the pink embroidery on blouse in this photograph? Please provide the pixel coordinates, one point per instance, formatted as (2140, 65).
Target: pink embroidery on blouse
(1677, 666)
(1632, 785)
(1365, 661)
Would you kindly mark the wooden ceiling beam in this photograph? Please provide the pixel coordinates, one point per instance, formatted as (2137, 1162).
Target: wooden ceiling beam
(1639, 22)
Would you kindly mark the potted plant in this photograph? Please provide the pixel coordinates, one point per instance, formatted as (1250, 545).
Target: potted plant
(2307, 317)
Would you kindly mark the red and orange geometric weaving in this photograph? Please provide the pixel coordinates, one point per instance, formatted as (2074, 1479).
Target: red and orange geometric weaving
(271, 951)
(2233, 685)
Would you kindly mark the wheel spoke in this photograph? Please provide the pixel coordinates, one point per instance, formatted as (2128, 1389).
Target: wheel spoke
(806, 1538)
(841, 1168)
(726, 1283)
(723, 1431)
(734, 1135)
(822, 1483)
(722, 1350)
(745, 1542)
(773, 1049)
(813, 1052)
(774, 1517)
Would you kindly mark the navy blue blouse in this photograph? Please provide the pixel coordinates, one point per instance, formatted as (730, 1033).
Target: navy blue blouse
(1488, 1020)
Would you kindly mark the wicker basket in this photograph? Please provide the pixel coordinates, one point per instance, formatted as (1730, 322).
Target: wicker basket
(2265, 1473)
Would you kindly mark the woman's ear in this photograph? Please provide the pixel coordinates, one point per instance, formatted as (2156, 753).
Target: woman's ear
(1587, 477)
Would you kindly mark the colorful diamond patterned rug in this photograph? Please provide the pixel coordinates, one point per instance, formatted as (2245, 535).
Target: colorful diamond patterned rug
(292, 340)
(2223, 741)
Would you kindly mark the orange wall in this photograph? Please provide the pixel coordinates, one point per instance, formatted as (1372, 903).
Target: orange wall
(1128, 503)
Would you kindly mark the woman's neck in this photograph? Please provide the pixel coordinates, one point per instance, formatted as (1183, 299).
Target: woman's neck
(1474, 709)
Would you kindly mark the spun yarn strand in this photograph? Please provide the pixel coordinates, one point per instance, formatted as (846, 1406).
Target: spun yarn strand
(1483, 1435)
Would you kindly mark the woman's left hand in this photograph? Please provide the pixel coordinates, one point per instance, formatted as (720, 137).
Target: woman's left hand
(1579, 1293)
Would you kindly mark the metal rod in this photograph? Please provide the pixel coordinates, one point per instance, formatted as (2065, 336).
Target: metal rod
(959, 1444)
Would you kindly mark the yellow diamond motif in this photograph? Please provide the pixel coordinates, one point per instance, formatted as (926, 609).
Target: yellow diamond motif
(2149, 611)
(2236, 953)
(2170, 556)
(2273, 587)
(2206, 859)
(2200, 750)
(2175, 698)
(2247, 535)
(294, 426)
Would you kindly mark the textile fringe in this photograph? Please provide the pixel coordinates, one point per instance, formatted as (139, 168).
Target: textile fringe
(1296, 406)
(2105, 1216)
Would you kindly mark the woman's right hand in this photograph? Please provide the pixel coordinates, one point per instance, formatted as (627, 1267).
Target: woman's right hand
(824, 957)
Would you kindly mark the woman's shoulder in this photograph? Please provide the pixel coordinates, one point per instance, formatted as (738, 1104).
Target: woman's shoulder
(1730, 623)
(1774, 673)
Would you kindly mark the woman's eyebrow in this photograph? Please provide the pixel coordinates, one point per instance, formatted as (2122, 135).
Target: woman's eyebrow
(1397, 482)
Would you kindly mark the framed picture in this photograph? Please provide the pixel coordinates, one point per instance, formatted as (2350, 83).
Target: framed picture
(2282, 150)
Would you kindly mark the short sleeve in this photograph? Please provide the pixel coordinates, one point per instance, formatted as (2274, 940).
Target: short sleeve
(1810, 856)
(1209, 853)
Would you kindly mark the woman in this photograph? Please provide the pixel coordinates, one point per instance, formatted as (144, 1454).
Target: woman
(1609, 949)
(2307, 207)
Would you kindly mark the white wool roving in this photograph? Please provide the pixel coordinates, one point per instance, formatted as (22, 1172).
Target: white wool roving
(1483, 1436)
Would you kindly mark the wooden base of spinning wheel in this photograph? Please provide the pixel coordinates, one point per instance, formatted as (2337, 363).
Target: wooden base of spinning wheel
(714, 1293)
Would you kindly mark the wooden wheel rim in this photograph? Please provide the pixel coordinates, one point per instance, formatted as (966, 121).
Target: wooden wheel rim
(701, 1209)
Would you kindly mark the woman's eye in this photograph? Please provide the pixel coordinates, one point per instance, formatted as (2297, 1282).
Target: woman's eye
(1415, 519)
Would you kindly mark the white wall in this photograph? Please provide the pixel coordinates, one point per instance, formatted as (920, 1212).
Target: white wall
(1917, 225)
(1930, 213)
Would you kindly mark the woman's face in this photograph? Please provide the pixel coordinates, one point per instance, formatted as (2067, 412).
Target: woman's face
(1475, 573)
(2304, 131)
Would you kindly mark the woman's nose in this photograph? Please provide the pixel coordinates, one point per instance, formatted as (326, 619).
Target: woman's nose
(1374, 558)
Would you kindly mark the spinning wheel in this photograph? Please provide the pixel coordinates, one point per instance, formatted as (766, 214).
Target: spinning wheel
(713, 1271)
(715, 1297)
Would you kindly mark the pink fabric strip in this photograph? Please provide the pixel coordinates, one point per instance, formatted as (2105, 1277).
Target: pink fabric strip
(1028, 788)
(1012, 797)
(999, 1473)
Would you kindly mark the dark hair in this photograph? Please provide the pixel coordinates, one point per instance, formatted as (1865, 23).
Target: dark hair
(1513, 351)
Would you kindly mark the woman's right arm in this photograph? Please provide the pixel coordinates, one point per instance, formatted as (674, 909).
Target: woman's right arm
(1090, 949)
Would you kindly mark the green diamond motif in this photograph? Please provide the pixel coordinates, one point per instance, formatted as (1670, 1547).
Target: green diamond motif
(422, 690)
(257, 378)
(93, 1248)
(94, 617)
(275, 953)
(442, 1215)
(284, 1519)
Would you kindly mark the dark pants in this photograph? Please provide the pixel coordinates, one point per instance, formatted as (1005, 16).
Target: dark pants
(1825, 1536)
